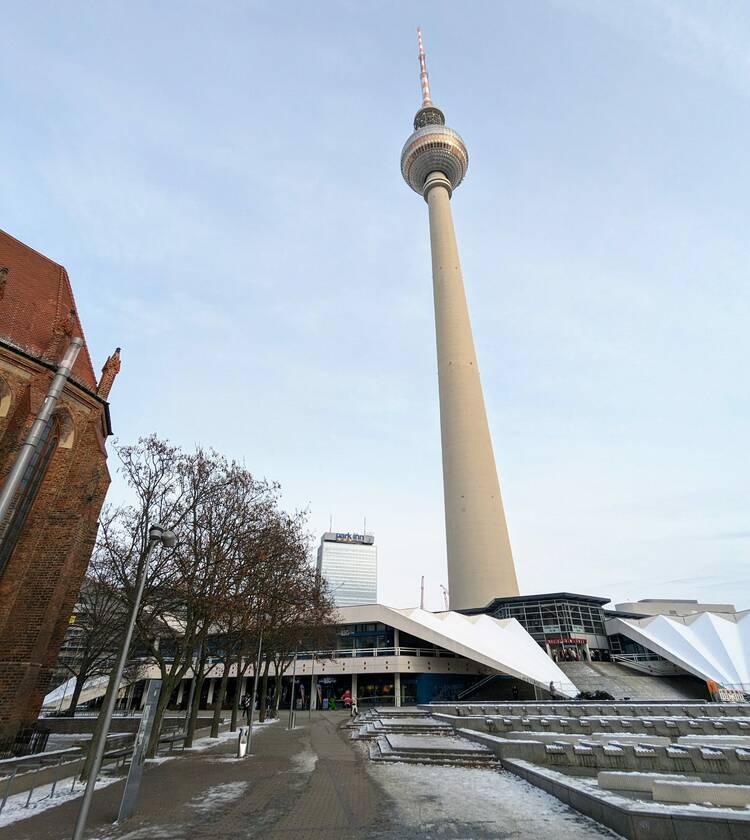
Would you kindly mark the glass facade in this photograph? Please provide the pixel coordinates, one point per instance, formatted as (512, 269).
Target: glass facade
(566, 625)
(349, 564)
(543, 617)
(365, 636)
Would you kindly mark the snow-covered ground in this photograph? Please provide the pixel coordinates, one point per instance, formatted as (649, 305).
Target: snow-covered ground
(15, 808)
(40, 800)
(479, 802)
(206, 743)
(218, 797)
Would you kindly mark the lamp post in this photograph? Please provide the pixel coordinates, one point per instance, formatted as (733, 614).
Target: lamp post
(255, 689)
(156, 534)
(291, 704)
(312, 687)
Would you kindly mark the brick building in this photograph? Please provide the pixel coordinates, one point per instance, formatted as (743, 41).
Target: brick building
(46, 540)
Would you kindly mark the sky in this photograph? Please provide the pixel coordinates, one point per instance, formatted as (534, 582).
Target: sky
(222, 182)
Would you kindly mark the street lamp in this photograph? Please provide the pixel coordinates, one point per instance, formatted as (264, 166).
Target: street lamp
(264, 620)
(156, 534)
(294, 676)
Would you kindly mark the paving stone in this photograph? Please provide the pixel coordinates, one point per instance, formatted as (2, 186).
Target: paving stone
(309, 784)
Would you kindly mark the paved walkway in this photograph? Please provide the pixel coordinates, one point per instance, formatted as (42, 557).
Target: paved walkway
(314, 784)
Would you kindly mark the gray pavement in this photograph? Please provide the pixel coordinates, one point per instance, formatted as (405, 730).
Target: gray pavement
(310, 784)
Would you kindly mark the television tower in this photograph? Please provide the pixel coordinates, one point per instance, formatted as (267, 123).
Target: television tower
(480, 562)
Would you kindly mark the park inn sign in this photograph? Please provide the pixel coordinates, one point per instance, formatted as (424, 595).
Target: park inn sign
(362, 539)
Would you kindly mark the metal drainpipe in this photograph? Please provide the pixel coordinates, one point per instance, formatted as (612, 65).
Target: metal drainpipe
(29, 446)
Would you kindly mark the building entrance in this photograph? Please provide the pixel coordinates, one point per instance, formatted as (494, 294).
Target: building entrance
(569, 649)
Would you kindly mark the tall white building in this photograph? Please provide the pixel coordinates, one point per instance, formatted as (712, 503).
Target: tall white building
(349, 563)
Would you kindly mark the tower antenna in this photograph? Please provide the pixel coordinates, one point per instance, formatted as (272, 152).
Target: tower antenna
(424, 78)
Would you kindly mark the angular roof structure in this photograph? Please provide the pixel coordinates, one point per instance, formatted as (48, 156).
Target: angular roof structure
(500, 644)
(38, 309)
(712, 646)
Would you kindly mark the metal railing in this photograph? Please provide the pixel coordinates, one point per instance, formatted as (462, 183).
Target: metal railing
(114, 756)
(26, 742)
(477, 685)
(637, 657)
(353, 653)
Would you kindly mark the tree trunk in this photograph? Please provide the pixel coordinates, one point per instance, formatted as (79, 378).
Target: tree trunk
(219, 702)
(97, 731)
(80, 682)
(264, 691)
(200, 678)
(161, 707)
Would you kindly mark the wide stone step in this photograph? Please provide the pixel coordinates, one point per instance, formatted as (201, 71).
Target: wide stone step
(381, 750)
(435, 747)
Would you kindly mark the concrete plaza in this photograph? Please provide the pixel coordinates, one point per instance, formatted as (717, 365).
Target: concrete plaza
(315, 783)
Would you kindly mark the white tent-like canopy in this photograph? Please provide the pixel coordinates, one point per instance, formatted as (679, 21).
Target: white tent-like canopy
(500, 644)
(712, 646)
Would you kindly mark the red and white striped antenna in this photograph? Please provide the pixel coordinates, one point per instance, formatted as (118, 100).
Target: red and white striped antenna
(424, 78)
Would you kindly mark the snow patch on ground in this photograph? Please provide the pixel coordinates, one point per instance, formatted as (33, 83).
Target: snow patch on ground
(304, 762)
(484, 802)
(206, 743)
(160, 759)
(151, 832)
(218, 797)
(203, 744)
(15, 809)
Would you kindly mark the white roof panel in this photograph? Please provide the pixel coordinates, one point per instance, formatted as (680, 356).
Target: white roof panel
(712, 646)
(500, 644)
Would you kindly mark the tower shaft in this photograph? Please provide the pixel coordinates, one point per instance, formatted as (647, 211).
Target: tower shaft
(480, 562)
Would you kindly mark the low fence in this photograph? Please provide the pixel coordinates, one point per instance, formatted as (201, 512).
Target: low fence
(26, 742)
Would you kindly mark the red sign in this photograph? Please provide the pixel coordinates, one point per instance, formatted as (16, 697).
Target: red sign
(566, 641)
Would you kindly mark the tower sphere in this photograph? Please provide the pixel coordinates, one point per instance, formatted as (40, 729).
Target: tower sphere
(433, 147)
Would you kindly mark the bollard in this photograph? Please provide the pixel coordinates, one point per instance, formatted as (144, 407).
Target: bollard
(242, 743)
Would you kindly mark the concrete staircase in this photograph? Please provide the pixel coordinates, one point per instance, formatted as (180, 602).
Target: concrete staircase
(623, 682)
(415, 736)
(425, 749)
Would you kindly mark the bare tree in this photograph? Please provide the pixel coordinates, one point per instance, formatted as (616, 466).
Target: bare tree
(240, 565)
(297, 604)
(91, 645)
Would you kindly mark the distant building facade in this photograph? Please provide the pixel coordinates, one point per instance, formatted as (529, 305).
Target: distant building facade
(349, 564)
(563, 623)
(672, 606)
(47, 538)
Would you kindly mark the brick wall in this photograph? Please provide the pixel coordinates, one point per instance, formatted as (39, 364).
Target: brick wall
(39, 584)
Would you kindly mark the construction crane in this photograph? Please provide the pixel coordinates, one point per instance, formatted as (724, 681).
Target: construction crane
(445, 596)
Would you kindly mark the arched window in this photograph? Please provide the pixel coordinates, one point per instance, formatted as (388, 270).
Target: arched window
(32, 478)
(5, 398)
